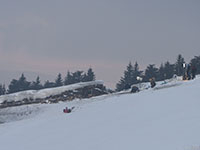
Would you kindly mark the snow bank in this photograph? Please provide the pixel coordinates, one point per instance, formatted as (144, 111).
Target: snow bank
(34, 94)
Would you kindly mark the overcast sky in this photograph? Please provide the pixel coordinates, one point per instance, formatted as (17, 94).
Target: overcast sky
(51, 36)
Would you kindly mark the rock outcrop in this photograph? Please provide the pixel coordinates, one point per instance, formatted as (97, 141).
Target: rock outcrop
(67, 93)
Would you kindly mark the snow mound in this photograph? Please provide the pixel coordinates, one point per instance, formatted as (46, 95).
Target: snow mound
(36, 94)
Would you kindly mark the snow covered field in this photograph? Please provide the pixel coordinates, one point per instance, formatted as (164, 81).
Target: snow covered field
(167, 118)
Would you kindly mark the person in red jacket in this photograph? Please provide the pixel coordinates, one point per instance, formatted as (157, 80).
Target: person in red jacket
(67, 110)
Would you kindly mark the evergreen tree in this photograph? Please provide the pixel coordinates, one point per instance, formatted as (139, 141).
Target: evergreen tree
(49, 84)
(19, 85)
(68, 79)
(120, 85)
(13, 86)
(23, 84)
(151, 72)
(2, 89)
(161, 73)
(136, 73)
(58, 81)
(128, 74)
(127, 80)
(169, 70)
(90, 75)
(196, 62)
(179, 65)
(36, 85)
(77, 77)
(84, 77)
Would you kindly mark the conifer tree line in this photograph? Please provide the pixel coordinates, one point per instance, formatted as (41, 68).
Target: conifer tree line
(22, 84)
(165, 71)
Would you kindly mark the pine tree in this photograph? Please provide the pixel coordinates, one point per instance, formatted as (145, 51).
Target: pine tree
(120, 85)
(36, 85)
(161, 73)
(90, 75)
(68, 79)
(49, 84)
(13, 86)
(58, 81)
(169, 70)
(151, 72)
(2, 89)
(196, 62)
(136, 73)
(179, 65)
(19, 85)
(128, 74)
(127, 80)
(23, 84)
(77, 77)
(84, 78)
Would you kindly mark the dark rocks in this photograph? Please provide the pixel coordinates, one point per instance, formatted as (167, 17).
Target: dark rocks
(134, 89)
(80, 93)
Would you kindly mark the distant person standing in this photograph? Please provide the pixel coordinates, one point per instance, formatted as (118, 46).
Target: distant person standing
(193, 71)
(188, 71)
(184, 73)
(152, 82)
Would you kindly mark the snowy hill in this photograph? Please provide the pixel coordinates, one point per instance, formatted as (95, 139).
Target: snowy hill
(62, 93)
(164, 118)
(34, 94)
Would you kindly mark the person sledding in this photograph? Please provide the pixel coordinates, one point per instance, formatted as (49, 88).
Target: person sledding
(68, 110)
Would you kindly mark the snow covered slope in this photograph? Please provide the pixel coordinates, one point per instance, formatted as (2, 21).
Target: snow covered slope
(34, 94)
(164, 119)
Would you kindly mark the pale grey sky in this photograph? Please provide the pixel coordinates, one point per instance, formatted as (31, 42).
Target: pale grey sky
(51, 36)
